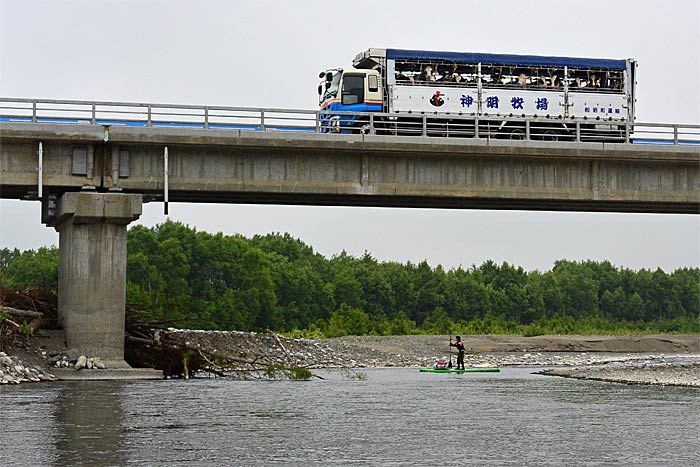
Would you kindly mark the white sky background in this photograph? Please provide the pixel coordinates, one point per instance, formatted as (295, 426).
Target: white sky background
(269, 53)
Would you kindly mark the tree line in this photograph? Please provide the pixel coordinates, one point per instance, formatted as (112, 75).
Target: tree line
(187, 278)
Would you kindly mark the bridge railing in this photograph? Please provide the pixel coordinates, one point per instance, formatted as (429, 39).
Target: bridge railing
(417, 125)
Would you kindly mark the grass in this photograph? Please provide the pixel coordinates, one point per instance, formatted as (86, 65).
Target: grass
(558, 325)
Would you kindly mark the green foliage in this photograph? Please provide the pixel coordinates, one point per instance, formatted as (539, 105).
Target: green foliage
(604, 326)
(299, 373)
(30, 268)
(7, 256)
(27, 331)
(186, 278)
(489, 324)
(347, 321)
(311, 332)
(399, 325)
(438, 322)
(296, 373)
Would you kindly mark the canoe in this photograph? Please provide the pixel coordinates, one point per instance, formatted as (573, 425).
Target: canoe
(466, 370)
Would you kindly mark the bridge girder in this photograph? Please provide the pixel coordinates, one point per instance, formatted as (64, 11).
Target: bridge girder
(237, 166)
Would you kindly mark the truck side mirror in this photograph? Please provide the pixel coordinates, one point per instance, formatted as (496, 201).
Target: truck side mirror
(329, 76)
(322, 75)
(320, 89)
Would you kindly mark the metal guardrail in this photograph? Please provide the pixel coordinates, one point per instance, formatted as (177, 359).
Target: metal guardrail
(325, 121)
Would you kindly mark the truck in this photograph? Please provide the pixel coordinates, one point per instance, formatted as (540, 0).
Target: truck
(433, 93)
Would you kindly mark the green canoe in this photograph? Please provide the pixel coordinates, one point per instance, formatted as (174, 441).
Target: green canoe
(467, 370)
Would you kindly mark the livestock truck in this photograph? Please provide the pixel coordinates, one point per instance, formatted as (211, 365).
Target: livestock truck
(418, 92)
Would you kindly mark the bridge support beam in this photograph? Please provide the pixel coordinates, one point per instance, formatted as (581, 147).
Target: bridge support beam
(92, 271)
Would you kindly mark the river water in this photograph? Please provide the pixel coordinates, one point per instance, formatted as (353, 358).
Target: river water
(391, 417)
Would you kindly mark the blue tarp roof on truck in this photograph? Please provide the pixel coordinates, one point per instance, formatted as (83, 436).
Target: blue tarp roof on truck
(507, 59)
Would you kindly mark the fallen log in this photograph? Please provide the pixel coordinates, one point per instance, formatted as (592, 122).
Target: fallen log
(213, 367)
(279, 342)
(140, 340)
(26, 315)
(12, 325)
(38, 307)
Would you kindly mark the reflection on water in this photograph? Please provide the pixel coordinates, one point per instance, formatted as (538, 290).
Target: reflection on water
(394, 417)
(88, 418)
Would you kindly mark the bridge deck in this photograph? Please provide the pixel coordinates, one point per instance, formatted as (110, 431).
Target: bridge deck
(239, 166)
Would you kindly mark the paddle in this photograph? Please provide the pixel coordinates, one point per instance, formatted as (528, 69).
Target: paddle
(449, 365)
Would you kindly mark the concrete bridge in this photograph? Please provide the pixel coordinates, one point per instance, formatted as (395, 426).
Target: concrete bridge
(237, 166)
(92, 179)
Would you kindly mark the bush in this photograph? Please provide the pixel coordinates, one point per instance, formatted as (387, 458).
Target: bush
(276, 371)
(490, 324)
(438, 322)
(347, 321)
(311, 332)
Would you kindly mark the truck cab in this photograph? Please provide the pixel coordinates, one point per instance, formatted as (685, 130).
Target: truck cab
(352, 90)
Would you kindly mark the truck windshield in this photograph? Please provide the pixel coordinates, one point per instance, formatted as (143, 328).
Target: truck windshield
(332, 91)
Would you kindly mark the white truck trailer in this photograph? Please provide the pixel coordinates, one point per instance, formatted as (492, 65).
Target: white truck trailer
(499, 92)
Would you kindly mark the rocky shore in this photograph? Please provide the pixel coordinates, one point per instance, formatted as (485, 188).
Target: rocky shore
(15, 371)
(649, 359)
(664, 371)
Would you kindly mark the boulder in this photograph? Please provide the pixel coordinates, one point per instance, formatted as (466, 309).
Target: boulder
(72, 354)
(82, 361)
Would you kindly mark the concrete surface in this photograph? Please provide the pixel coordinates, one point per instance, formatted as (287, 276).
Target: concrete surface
(235, 166)
(92, 270)
(69, 374)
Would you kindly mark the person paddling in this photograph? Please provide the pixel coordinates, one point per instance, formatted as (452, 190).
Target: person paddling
(460, 349)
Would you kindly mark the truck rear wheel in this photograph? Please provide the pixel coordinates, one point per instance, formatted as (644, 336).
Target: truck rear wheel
(516, 133)
(550, 135)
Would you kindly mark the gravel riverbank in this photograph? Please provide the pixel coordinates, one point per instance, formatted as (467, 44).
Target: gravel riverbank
(649, 359)
(15, 371)
(619, 358)
(665, 371)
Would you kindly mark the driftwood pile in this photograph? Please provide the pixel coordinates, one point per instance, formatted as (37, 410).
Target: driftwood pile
(152, 345)
(143, 350)
(23, 312)
(34, 300)
(182, 353)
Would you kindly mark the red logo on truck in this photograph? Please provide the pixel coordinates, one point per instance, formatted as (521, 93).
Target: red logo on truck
(437, 100)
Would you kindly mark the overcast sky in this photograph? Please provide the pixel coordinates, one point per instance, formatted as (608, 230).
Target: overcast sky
(269, 53)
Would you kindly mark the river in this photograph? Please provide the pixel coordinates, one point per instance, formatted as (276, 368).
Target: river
(387, 417)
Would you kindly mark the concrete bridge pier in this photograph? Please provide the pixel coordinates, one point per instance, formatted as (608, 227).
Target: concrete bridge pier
(92, 271)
